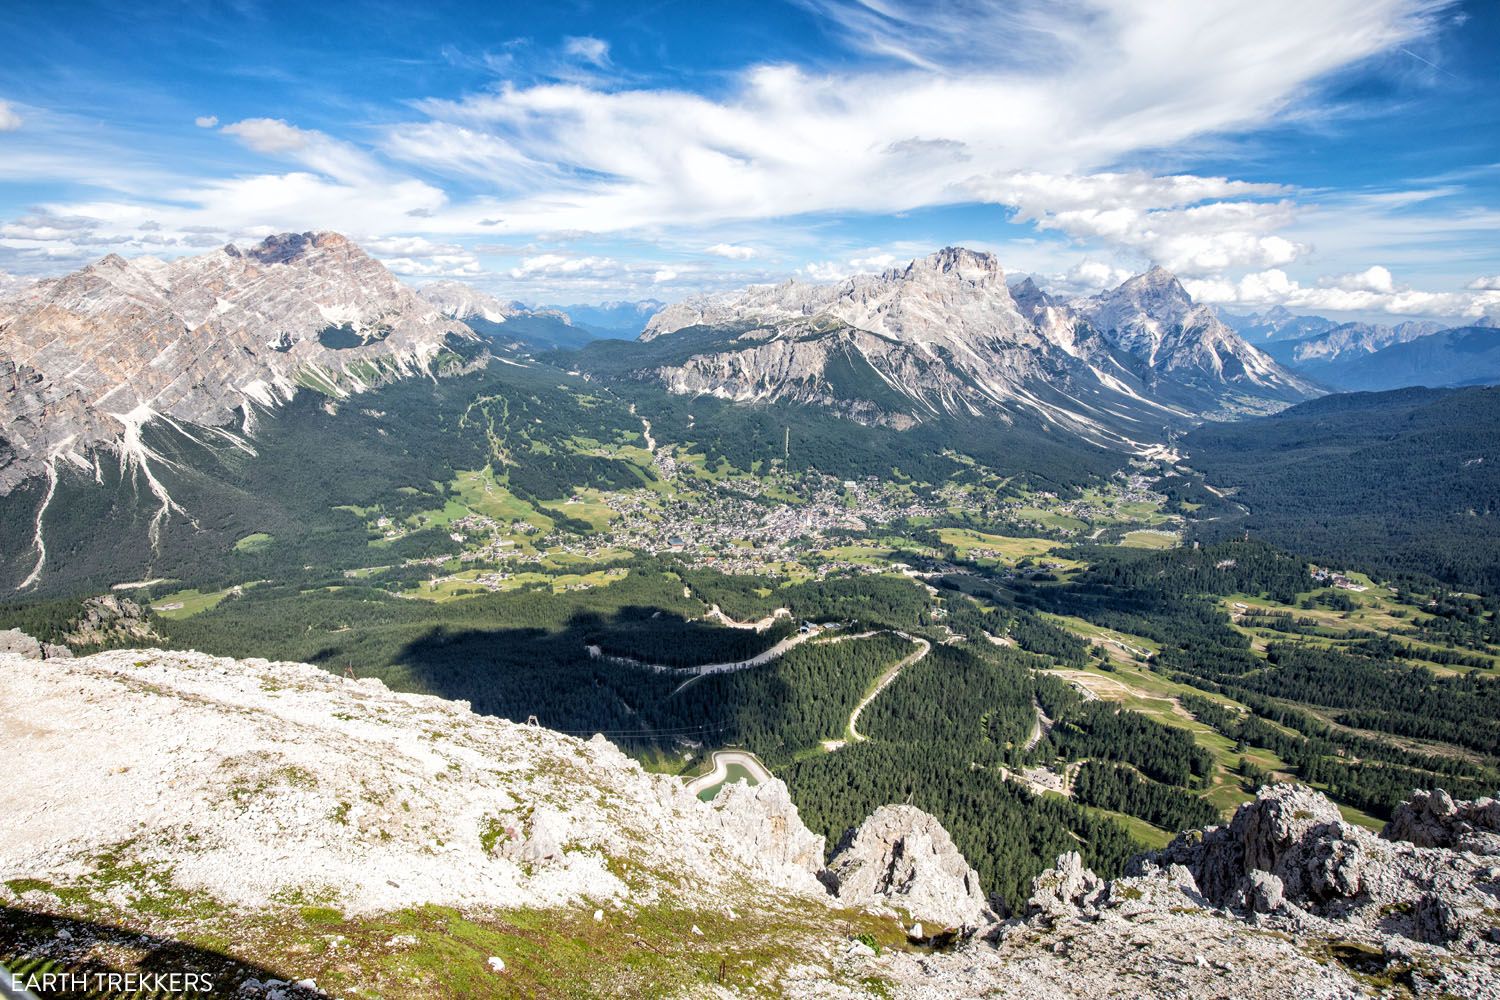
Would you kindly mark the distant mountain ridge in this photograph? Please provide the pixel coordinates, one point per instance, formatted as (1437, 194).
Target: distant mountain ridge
(624, 319)
(1349, 339)
(1276, 323)
(947, 334)
(1467, 355)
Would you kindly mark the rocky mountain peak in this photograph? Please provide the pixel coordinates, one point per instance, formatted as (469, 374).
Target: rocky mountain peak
(286, 247)
(973, 266)
(202, 340)
(461, 301)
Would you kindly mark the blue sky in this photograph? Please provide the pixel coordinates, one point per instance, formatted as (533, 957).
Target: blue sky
(1341, 156)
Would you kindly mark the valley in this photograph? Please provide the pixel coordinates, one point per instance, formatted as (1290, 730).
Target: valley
(1045, 643)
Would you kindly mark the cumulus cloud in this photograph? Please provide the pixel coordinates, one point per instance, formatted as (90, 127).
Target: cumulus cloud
(1029, 104)
(730, 251)
(1133, 75)
(1483, 284)
(10, 119)
(1371, 291)
(825, 270)
(206, 121)
(1094, 275)
(551, 265)
(1375, 279)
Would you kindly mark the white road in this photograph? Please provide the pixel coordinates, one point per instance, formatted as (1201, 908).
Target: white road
(852, 733)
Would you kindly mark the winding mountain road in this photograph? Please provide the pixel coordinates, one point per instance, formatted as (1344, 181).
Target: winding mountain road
(852, 733)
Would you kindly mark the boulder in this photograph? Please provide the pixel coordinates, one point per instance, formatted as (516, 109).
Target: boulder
(1067, 889)
(16, 642)
(901, 858)
(539, 838)
(1288, 854)
(1256, 839)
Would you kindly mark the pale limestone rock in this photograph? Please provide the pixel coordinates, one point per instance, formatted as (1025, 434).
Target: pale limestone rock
(87, 358)
(901, 858)
(1067, 889)
(18, 643)
(767, 831)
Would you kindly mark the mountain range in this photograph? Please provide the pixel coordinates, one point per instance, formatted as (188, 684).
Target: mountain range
(1276, 323)
(946, 334)
(215, 341)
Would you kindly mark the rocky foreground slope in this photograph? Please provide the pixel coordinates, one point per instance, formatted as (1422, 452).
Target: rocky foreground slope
(294, 833)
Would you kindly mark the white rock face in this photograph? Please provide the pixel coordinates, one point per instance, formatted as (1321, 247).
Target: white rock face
(902, 858)
(89, 358)
(1153, 318)
(763, 823)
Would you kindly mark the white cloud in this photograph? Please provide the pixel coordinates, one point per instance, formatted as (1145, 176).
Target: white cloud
(206, 121)
(10, 118)
(874, 262)
(730, 251)
(1373, 279)
(1094, 274)
(1029, 104)
(594, 50)
(438, 265)
(1372, 291)
(1483, 284)
(333, 157)
(665, 274)
(825, 271)
(551, 265)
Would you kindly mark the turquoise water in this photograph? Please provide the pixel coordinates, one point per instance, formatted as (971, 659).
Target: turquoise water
(734, 772)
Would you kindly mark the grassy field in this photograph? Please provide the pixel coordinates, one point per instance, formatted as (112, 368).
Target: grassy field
(1148, 538)
(186, 603)
(254, 542)
(465, 583)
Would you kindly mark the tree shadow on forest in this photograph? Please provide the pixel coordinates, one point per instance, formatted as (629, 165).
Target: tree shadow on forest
(553, 675)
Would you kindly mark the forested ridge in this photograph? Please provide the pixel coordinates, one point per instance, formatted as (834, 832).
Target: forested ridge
(1398, 483)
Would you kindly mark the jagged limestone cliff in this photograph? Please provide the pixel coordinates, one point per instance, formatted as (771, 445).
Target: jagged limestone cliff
(275, 825)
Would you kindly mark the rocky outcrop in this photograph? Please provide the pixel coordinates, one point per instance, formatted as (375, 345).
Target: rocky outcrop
(1289, 855)
(1434, 819)
(108, 619)
(18, 643)
(763, 823)
(903, 859)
